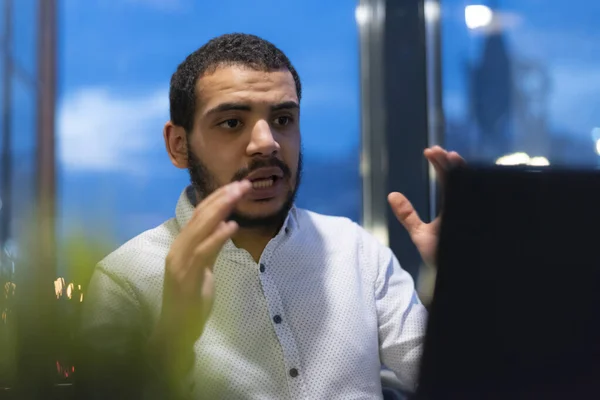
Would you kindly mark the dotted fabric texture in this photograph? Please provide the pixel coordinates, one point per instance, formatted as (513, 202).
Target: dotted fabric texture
(331, 307)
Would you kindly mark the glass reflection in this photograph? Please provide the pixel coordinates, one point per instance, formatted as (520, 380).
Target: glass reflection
(520, 79)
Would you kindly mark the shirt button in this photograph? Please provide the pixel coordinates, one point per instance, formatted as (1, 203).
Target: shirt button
(287, 230)
(277, 319)
(262, 268)
(293, 372)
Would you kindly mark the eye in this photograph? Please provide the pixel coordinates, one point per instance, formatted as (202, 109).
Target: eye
(231, 124)
(283, 120)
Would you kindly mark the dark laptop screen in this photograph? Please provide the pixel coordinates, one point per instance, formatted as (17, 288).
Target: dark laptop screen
(516, 305)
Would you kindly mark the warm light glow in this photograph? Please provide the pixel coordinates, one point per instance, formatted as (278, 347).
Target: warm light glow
(478, 16)
(523, 159)
(70, 290)
(59, 284)
(361, 14)
(539, 161)
(514, 159)
(63, 370)
(9, 289)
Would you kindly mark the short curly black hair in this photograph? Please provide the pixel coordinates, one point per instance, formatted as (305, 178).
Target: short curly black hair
(229, 49)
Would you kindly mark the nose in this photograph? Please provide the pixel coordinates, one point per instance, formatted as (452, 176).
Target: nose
(262, 141)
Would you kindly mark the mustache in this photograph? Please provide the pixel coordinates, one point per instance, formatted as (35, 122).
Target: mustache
(259, 163)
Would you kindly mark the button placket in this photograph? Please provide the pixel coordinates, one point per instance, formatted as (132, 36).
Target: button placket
(282, 330)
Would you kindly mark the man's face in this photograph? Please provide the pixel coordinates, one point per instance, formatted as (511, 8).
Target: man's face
(247, 126)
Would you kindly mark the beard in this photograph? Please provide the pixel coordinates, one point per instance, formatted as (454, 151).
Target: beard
(205, 183)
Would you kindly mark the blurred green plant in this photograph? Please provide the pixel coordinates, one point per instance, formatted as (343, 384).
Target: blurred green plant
(78, 255)
(41, 298)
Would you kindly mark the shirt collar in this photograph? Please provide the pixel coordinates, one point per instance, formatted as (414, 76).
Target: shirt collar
(186, 206)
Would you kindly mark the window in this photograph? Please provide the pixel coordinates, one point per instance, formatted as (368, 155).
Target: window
(18, 29)
(520, 81)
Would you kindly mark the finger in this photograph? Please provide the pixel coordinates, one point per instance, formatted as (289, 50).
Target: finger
(438, 157)
(440, 171)
(208, 218)
(443, 157)
(443, 161)
(436, 223)
(202, 203)
(405, 212)
(224, 191)
(207, 251)
(455, 159)
(435, 151)
(205, 254)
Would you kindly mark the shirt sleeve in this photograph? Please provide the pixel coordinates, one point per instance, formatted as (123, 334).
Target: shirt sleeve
(114, 356)
(402, 321)
(110, 353)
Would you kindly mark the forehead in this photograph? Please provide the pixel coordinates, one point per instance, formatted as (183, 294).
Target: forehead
(245, 85)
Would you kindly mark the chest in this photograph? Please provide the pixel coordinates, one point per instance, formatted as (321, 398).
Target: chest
(314, 314)
(316, 298)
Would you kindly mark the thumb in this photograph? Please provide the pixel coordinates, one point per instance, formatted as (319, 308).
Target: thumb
(405, 212)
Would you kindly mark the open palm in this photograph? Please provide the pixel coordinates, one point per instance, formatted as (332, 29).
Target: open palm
(424, 235)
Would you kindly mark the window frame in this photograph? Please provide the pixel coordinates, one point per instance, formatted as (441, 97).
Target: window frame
(401, 115)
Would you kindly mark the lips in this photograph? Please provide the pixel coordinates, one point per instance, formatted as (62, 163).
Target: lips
(265, 178)
(265, 174)
(266, 183)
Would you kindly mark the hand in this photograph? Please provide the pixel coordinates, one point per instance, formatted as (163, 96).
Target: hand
(425, 236)
(188, 291)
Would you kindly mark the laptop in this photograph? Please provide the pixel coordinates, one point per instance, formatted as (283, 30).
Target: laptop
(516, 306)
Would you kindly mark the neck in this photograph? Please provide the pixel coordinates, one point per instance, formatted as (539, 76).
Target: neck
(254, 240)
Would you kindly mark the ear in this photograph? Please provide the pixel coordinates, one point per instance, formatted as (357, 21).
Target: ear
(176, 143)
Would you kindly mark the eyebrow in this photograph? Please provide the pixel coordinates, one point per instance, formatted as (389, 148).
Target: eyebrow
(287, 105)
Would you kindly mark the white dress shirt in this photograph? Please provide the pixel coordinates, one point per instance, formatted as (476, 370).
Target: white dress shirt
(316, 318)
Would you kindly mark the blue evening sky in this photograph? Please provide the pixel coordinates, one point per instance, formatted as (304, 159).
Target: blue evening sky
(562, 36)
(116, 58)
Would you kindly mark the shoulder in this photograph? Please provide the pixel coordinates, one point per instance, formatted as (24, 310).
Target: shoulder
(143, 255)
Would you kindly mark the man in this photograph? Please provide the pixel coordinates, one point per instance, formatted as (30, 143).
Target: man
(243, 295)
